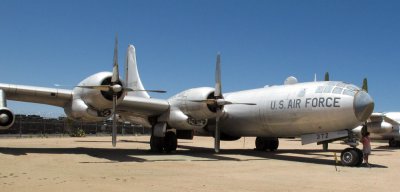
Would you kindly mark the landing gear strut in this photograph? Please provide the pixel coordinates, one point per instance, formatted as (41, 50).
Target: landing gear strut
(267, 143)
(164, 144)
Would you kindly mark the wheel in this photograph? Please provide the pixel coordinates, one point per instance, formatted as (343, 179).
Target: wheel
(273, 144)
(361, 157)
(393, 143)
(264, 143)
(156, 144)
(261, 144)
(350, 157)
(170, 142)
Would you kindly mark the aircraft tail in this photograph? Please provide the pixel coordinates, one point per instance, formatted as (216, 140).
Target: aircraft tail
(132, 78)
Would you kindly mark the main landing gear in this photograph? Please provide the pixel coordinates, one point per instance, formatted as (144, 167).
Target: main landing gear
(267, 143)
(394, 143)
(164, 144)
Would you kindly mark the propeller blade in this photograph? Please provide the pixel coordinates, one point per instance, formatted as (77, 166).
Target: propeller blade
(154, 91)
(365, 85)
(219, 102)
(114, 123)
(218, 87)
(97, 87)
(217, 132)
(326, 76)
(234, 103)
(206, 101)
(115, 74)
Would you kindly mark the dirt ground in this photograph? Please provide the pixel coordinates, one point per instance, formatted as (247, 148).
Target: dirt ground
(91, 164)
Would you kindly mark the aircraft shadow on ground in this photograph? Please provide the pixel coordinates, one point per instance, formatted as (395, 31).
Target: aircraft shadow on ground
(184, 151)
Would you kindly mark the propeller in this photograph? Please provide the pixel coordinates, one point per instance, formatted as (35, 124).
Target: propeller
(115, 87)
(218, 102)
(326, 76)
(365, 85)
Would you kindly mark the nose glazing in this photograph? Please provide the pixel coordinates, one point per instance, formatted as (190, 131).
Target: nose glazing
(363, 105)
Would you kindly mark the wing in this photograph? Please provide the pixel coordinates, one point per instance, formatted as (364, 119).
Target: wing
(132, 108)
(379, 117)
(33, 94)
(138, 109)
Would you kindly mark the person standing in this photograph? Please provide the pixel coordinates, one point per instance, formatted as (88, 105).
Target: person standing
(365, 140)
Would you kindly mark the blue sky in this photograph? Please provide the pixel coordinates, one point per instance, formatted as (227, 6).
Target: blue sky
(261, 43)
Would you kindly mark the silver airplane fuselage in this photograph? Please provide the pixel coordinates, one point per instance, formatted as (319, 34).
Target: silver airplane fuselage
(293, 110)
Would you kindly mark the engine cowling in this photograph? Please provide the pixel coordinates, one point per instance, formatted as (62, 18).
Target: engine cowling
(379, 127)
(78, 110)
(96, 99)
(7, 118)
(92, 104)
(178, 120)
(184, 101)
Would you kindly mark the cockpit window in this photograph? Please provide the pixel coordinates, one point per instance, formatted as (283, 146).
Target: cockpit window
(331, 83)
(349, 92)
(337, 90)
(328, 89)
(319, 89)
(340, 84)
(351, 87)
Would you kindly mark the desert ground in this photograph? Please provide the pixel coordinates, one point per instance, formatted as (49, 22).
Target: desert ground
(92, 164)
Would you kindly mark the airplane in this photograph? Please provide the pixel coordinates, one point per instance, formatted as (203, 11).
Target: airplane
(382, 126)
(317, 111)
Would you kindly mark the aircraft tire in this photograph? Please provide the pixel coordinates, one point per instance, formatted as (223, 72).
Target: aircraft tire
(170, 142)
(156, 144)
(267, 143)
(273, 144)
(350, 157)
(393, 143)
(261, 144)
(360, 155)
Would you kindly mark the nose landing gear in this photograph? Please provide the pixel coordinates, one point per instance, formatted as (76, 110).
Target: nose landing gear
(352, 157)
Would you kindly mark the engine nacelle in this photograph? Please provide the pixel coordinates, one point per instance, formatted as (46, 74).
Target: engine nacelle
(184, 101)
(178, 120)
(7, 118)
(78, 110)
(379, 127)
(96, 99)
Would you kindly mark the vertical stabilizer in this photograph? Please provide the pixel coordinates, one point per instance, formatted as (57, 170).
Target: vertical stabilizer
(132, 78)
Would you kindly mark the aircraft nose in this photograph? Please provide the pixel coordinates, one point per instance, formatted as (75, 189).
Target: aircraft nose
(363, 105)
